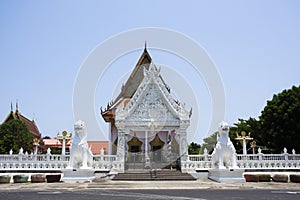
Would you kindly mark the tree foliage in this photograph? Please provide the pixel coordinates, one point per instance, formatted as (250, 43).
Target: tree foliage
(14, 134)
(194, 148)
(278, 125)
(280, 121)
(250, 126)
(209, 143)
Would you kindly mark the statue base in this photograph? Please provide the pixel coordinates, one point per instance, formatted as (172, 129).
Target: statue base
(78, 175)
(227, 175)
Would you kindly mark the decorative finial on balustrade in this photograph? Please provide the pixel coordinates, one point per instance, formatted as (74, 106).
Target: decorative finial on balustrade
(293, 152)
(205, 151)
(259, 150)
(284, 150)
(102, 152)
(11, 152)
(21, 150)
(48, 151)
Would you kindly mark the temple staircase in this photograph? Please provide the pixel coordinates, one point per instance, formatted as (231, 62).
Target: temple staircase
(154, 175)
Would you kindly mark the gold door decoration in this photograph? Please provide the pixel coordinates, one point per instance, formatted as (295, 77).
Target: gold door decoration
(156, 142)
(135, 142)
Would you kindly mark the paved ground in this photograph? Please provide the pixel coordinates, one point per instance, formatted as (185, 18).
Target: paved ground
(150, 194)
(200, 184)
(125, 190)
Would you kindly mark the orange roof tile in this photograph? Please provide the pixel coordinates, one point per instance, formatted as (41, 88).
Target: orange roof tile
(96, 146)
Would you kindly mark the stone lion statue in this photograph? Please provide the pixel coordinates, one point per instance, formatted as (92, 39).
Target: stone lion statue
(224, 154)
(80, 154)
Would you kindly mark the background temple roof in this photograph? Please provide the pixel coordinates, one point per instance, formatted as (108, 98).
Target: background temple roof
(31, 125)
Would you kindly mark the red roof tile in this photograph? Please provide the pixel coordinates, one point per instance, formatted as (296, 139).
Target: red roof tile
(96, 146)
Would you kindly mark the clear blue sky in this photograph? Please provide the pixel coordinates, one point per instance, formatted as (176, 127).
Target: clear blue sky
(254, 44)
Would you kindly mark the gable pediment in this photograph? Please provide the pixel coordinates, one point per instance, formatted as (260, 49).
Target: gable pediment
(152, 107)
(152, 102)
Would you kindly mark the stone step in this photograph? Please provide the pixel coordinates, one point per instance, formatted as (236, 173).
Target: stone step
(158, 175)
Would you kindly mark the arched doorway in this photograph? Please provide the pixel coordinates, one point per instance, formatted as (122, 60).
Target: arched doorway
(134, 150)
(156, 148)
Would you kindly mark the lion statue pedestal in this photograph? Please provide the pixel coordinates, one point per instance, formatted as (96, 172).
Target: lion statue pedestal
(224, 168)
(81, 158)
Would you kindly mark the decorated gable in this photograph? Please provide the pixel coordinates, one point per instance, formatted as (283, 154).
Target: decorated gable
(152, 102)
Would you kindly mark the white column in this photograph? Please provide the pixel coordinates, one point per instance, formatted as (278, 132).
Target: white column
(36, 149)
(146, 142)
(121, 145)
(63, 150)
(244, 147)
(183, 145)
(110, 142)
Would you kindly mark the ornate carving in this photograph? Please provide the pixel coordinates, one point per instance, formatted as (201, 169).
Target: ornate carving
(121, 146)
(159, 96)
(152, 107)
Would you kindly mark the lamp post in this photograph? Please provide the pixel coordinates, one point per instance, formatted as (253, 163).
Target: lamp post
(243, 138)
(63, 139)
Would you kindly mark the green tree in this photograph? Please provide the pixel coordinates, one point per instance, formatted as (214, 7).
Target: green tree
(209, 143)
(14, 134)
(252, 126)
(280, 121)
(194, 148)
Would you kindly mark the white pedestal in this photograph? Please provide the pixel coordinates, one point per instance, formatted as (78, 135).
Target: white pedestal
(78, 175)
(227, 175)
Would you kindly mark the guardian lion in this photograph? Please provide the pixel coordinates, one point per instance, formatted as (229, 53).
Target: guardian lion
(80, 154)
(224, 154)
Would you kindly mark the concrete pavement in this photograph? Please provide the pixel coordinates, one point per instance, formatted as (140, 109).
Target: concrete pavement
(98, 184)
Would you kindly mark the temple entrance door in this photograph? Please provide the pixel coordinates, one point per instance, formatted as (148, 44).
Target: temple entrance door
(156, 153)
(156, 150)
(134, 157)
(134, 149)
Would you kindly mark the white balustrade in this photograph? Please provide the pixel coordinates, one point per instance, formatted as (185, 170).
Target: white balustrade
(249, 161)
(49, 162)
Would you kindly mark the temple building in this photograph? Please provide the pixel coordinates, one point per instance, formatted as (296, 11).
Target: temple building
(31, 125)
(147, 126)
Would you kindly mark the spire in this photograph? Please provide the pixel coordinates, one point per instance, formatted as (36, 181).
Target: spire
(145, 49)
(11, 106)
(17, 106)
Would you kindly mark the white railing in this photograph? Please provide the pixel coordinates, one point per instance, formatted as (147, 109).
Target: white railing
(49, 162)
(258, 161)
(194, 163)
(269, 161)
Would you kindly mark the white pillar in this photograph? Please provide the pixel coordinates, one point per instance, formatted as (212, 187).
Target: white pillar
(110, 142)
(36, 149)
(63, 151)
(147, 158)
(121, 145)
(244, 147)
(146, 142)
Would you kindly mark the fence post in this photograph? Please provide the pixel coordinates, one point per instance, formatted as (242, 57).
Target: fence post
(259, 154)
(48, 154)
(286, 155)
(205, 154)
